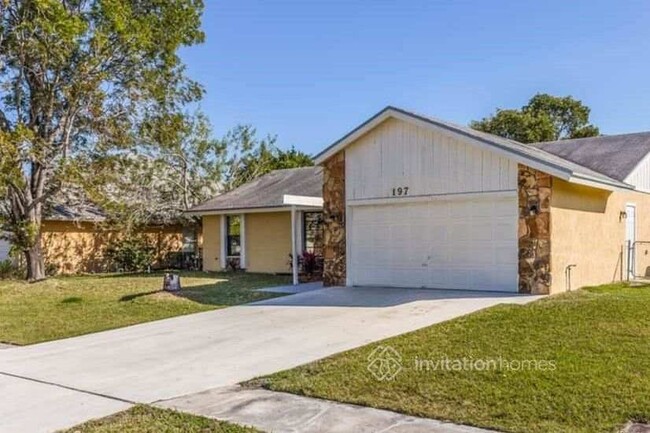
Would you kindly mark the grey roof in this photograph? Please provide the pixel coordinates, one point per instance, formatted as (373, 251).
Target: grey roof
(61, 212)
(528, 151)
(71, 204)
(613, 155)
(268, 191)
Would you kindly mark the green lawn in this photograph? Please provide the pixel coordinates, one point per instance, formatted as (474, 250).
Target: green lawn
(598, 339)
(146, 419)
(68, 306)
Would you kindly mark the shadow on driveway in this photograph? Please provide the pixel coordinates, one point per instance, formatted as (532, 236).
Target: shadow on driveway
(378, 297)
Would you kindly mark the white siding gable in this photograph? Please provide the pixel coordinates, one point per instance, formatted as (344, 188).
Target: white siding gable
(640, 176)
(399, 154)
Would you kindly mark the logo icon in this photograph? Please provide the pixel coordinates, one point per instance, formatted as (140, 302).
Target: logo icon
(384, 363)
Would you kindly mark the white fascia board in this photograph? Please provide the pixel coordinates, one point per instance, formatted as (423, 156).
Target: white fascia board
(301, 200)
(390, 112)
(530, 161)
(493, 147)
(250, 210)
(596, 183)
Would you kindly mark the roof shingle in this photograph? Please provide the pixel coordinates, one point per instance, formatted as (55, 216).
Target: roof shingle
(613, 155)
(268, 191)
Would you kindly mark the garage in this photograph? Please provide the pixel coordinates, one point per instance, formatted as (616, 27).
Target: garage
(450, 242)
(414, 201)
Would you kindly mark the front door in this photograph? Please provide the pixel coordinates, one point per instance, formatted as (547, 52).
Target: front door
(630, 238)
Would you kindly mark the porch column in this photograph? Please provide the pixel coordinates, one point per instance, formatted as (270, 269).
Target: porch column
(294, 249)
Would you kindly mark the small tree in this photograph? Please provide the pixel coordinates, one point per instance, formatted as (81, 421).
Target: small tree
(77, 79)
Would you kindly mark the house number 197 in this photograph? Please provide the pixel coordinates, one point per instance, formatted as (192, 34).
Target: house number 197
(400, 191)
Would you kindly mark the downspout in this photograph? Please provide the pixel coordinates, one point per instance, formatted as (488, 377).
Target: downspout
(567, 276)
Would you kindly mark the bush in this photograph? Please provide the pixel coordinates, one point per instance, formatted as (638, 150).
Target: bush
(10, 269)
(130, 254)
(311, 264)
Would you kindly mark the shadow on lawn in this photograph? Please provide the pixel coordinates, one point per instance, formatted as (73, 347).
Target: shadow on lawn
(161, 273)
(127, 298)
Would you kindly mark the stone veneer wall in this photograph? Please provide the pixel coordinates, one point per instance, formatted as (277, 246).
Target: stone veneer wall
(534, 233)
(334, 220)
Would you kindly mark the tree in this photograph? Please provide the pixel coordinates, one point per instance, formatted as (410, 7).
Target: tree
(179, 165)
(248, 157)
(543, 118)
(78, 78)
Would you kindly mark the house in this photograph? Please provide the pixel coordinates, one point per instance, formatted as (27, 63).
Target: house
(262, 224)
(74, 238)
(412, 201)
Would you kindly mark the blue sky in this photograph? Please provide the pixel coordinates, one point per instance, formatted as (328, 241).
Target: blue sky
(310, 70)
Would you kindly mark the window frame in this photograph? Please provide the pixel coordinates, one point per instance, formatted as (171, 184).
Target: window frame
(228, 237)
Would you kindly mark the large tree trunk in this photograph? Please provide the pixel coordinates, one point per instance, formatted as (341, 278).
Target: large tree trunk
(35, 262)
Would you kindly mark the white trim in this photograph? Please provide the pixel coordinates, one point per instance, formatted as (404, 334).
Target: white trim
(349, 215)
(223, 249)
(294, 250)
(300, 224)
(434, 197)
(301, 200)
(547, 167)
(242, 241)
(249, 210)
(594, 183)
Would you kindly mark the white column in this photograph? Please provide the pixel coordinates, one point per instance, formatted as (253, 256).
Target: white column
(300, 232)
(223, 249)
(294, 250)
(242, 240)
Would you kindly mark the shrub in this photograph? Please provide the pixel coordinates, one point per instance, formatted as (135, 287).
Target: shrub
(311, 264)
(10, 269)
(130, 254)
(6, 269)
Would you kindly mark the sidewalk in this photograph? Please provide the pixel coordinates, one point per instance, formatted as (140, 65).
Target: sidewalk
(279, 412)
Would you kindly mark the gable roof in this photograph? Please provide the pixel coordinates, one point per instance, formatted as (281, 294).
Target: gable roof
(532, 156)
(268, 191)
(613, 155)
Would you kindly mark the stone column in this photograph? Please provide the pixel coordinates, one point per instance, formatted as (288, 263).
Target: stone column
(534, 233)
(334, 220)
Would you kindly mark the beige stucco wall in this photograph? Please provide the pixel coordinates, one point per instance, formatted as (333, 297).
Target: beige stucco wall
(268, 242)
(79, 247)
(211, 242)
(587, 230)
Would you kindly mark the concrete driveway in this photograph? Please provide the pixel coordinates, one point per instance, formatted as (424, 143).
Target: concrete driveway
(98, 374)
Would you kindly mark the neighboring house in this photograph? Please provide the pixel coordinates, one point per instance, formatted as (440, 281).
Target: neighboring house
(74, 239)
(252, 228)
(411, 201)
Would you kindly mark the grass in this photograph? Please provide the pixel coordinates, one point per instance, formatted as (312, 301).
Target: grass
(147, 419)
(598, 339)
(69, 306)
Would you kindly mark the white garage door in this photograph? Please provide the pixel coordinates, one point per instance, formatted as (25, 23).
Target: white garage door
(468, 244)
